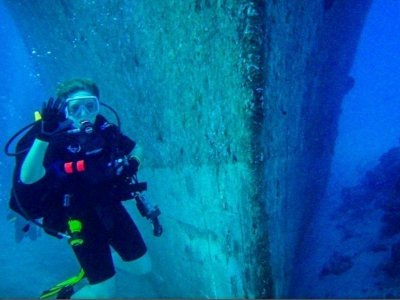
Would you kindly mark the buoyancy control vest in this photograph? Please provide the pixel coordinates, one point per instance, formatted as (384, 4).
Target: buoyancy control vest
(69, 157)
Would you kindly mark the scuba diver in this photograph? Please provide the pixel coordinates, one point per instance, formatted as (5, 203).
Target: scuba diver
(73, 170)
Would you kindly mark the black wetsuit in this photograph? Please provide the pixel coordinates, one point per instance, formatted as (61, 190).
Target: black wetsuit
(78, 165)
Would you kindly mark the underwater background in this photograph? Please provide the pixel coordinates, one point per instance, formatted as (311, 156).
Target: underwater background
(352, 250)
(200, 160)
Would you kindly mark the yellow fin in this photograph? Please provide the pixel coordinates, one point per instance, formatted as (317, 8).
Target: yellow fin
(58, 287)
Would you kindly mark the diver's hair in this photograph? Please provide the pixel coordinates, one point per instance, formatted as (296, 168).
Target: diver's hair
(66, 88)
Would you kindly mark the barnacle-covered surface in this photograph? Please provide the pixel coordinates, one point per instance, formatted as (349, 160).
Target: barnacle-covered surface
(226, 99)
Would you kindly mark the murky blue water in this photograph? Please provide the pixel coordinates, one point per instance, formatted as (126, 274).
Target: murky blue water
(369, 126)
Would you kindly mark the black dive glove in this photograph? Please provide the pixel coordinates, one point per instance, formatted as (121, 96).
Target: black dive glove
(53, 119)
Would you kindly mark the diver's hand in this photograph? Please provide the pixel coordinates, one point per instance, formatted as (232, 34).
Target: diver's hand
(53, 118)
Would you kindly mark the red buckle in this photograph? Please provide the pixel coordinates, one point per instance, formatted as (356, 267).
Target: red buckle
(68, 168)
(80, 165)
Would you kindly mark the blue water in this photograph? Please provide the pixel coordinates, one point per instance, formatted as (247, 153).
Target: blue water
(369, 126)
(25, 267)
(369, 123)
(20, 89)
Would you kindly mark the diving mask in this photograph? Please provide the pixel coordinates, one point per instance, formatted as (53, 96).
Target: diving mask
(82, 107)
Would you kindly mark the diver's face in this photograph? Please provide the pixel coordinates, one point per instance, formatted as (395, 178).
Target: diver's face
(81, 106)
